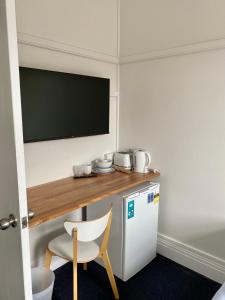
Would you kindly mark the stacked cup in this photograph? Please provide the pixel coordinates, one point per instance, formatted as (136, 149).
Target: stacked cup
(103, 166)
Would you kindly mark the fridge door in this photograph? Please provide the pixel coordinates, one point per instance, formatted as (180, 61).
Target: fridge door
(140, 231)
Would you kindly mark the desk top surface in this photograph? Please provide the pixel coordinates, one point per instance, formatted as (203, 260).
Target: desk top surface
(54, 199)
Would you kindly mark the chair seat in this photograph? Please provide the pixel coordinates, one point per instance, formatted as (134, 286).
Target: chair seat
(63, 246)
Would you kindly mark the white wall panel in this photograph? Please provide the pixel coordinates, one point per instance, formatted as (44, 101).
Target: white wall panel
(51, 160)
(150, 25)
(85, 34)
(175, 108)
(85, 24)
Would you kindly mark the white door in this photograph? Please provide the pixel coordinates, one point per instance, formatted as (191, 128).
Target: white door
(140, 231)
(15, 277)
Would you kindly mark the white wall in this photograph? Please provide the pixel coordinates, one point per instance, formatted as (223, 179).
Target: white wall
(148, 25)
(82, 28)
(175, 108)
(46, 161)
(80, 23)
(79, 37)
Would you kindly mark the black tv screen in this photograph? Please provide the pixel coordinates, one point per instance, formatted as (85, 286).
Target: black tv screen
(59, 105)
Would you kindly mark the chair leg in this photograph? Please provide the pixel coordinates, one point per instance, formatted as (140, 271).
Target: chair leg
(48, 258)
(75, 286)
(105, 258)
(75, 280)
(85, 266)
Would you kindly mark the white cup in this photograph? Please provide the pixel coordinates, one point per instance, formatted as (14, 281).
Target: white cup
(87, 169)
(78, 171)
(82, 170)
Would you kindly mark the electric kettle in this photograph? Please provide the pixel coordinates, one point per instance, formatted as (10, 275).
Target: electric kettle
(141, 161)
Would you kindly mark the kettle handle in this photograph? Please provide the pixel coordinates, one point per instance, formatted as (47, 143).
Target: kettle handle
(148, 160)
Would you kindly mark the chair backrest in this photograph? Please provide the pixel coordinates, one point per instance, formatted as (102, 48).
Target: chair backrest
(88, 230)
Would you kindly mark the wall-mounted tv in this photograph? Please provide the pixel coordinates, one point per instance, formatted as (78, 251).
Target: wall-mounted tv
(58, 105)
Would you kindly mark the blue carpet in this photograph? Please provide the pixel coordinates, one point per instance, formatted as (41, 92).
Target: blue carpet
(162, 279)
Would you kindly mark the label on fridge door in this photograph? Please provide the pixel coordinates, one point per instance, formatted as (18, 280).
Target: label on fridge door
(150, 197)
(156, 198)
(130, 209)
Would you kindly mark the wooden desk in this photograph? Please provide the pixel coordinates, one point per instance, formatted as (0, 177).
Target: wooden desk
(54, 199)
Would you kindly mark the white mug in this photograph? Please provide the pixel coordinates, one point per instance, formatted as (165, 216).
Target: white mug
(87, 169)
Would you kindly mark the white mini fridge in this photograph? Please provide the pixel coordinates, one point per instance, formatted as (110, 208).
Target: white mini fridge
(133, 237)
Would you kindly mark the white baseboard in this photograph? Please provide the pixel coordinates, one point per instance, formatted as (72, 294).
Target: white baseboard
(56, 262)
(192, 258)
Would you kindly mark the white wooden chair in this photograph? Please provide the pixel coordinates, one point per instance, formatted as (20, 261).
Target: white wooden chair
(78, 245)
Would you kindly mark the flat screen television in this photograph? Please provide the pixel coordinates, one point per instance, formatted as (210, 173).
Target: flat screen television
(58, 105)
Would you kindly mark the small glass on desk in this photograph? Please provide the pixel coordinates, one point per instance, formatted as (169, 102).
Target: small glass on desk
(82, 170)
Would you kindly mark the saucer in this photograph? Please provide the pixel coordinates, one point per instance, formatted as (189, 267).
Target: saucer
(103, 170)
